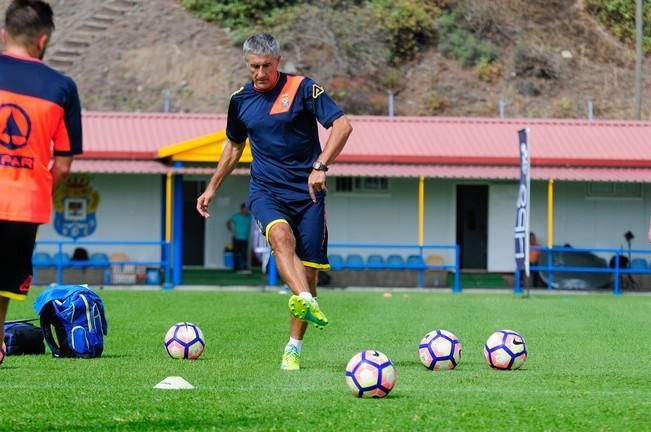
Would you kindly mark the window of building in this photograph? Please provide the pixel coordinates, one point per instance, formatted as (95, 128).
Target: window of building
(362, 184)
(604, 190)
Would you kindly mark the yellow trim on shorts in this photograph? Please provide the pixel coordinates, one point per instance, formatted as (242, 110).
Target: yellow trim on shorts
(272, 223)
(12, 295)
(317, 266)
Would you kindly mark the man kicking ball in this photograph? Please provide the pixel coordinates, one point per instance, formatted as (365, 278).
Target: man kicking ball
(278, 113)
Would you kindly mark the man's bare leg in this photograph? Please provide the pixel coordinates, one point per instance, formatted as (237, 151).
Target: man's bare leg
(297, 328)
(290, 267)
(4, 305)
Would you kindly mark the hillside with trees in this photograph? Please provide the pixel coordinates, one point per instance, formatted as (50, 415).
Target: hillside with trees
(437, 57)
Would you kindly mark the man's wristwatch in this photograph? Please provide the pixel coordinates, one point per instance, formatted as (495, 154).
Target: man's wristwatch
(319, 166)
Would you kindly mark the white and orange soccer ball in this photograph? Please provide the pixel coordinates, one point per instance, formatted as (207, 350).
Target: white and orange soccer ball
(440, 350)
(184, 340)
(370, 374)
(506, 350)
(3, 352)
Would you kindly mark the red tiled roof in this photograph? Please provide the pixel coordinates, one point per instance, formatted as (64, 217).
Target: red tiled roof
(634, 175)
(104, 166)
(140, 135)
(400, 146)
(119, 166)
(483, 141)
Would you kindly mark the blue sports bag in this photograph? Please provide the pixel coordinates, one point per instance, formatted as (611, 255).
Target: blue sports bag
(73, 321)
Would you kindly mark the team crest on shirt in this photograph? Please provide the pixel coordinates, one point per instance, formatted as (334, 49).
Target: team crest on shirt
(75, 207)
(15, 126)
(284, 100)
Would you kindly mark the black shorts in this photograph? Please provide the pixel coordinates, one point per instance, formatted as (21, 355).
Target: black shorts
(16, 247)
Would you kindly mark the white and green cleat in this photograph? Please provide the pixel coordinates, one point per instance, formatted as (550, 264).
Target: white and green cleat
(307, 310)
(291, 359)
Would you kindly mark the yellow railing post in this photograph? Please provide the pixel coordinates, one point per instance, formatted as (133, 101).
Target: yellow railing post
(168, 207)
(421, 210)
(550, 213)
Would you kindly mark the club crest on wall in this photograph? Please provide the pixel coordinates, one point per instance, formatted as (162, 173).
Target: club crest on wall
(75, 207)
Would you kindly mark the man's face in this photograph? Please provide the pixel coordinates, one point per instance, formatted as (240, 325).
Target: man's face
(263, 70)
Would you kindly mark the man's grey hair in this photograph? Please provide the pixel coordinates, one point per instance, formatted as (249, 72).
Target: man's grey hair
(261, 44)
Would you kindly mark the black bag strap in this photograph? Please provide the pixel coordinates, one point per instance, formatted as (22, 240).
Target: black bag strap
(46, 325)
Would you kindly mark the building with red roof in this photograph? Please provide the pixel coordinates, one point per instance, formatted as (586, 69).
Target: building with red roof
(598, 171)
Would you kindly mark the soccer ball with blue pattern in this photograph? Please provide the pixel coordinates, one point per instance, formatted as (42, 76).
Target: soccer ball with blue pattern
(506, 350)
(184, 340)
(370, 374)
(440, 350)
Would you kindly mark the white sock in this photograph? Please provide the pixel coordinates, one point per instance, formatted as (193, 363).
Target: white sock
(306, 295)
(298, 344)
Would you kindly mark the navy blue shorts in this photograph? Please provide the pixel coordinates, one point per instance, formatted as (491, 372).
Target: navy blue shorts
(307, 220)
(17, 241)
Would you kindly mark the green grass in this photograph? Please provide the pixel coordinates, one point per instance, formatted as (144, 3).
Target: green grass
(478, 280)
(589, 366)
(203, 276)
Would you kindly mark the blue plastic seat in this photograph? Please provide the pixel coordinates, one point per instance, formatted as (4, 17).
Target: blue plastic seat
(336, 262)
(99, 259)
(355, 262)
(396, 262)
(639, 264)
(42, 259)
(415, 262)
(375, 262)
(65, 258)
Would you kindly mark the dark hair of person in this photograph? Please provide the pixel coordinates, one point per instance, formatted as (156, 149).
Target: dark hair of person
(26, 20)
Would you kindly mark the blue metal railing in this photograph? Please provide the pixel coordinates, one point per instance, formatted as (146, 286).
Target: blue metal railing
(60, 264)
(616, 270)
(421, 248)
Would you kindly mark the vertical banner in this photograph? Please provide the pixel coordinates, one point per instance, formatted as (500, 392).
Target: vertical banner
(522, 206)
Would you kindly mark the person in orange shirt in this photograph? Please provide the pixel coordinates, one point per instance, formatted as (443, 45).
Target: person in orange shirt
(534, 254)
(40, 132)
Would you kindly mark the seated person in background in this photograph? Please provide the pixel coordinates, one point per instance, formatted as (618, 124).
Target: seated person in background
(79, 254)
(534, 254)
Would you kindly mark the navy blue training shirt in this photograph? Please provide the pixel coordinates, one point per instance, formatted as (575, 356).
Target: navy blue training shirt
(281, 125)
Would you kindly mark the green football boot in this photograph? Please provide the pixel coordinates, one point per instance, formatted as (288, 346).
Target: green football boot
(291, 359)
(307, 310)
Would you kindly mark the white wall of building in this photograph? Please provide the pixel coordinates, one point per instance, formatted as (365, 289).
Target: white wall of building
(578, 220)
(129, 210)
(588, 222)
(392, 218)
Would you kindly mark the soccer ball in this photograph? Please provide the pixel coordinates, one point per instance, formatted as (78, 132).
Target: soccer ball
(184, 340)
(440, 350)
(370, 374)
(3, 352)
(505, 349)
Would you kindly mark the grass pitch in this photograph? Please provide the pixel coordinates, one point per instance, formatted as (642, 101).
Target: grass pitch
(589, 366)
